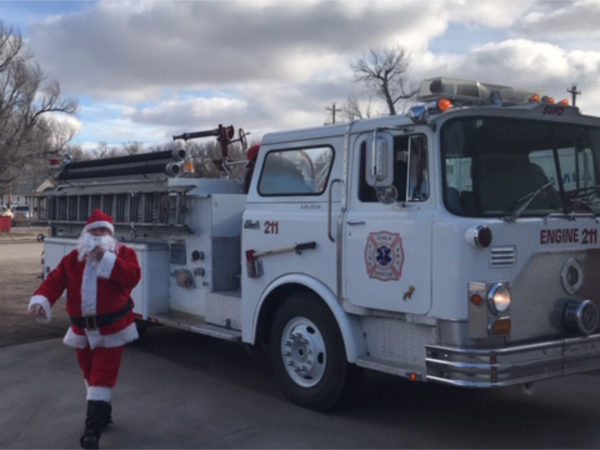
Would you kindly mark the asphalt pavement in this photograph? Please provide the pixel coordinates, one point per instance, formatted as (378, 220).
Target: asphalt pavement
(180, 390)
(157, 404)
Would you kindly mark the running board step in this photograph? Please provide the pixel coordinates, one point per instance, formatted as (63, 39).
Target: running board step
(412, 372)
(198, 325)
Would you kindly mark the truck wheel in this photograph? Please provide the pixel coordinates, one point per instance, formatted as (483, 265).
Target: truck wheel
(142, 327)
(307, 353)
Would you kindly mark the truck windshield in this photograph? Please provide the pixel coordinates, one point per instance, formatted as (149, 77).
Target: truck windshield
(514, 167)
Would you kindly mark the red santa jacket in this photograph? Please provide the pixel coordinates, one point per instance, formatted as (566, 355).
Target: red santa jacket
(94, 290)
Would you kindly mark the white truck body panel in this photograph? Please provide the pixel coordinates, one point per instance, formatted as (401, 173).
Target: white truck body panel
(404, 282)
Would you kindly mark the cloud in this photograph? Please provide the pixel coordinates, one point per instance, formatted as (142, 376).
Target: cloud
(141, 48)
(526, 64)
(186, 111)
(493, 14)
(256, 107)
(64, 127)
(137, 51)
(566, 19)
(266, 65)
(115, 131)
(570, 24)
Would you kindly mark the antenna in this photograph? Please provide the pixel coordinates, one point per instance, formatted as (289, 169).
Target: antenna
(574, 93)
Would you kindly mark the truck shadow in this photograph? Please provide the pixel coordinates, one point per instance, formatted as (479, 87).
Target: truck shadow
(561, 414)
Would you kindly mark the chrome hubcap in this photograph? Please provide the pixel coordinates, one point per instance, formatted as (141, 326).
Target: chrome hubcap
(303, 352)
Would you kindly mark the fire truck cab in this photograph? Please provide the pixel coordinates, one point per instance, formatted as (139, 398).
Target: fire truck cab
(456, 244)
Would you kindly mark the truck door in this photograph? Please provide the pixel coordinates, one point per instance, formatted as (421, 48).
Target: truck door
(387, 231)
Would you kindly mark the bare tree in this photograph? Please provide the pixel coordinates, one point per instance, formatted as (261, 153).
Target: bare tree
(77, 153)
(355, 108)
(27, 131)
(384, 71)
(132, 148)
(102, 150)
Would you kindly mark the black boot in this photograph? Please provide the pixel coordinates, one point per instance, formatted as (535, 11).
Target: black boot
(96, 420)
(109, 420)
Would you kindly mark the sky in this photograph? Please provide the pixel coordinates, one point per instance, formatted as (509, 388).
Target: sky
(143, 71)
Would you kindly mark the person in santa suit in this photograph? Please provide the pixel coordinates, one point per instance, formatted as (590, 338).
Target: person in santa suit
(98, 276)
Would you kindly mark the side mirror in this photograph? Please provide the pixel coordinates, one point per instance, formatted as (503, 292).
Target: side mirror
(380, 160)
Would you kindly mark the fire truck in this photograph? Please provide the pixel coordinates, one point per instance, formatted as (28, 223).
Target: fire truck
(456, 244)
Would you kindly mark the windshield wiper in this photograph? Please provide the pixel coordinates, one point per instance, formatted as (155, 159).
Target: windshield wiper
(583, 201)
(582, 197)
(582, 192)
(526, 199)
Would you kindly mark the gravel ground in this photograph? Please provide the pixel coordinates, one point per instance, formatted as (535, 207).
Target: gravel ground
(23, 234)
(20, 275)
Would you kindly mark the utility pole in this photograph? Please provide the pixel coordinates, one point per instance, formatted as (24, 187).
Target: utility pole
(333, 110)
(574, 93)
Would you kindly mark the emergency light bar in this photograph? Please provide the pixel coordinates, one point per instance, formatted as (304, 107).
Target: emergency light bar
(472, 92)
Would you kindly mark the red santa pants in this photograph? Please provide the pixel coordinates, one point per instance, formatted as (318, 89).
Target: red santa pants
(100, 366)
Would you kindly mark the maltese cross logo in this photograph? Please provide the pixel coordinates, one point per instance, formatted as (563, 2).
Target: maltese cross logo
(384, 256)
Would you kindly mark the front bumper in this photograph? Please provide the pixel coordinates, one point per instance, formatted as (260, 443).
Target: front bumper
(488, 368)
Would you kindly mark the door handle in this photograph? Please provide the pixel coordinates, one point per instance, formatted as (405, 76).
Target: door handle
(356, 222)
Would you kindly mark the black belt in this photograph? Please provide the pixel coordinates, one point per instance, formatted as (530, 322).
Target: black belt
(93, 322)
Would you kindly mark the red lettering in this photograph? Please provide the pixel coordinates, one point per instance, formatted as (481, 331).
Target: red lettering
(560, 236)
(271, 227)
(590, 236)
(569, 236)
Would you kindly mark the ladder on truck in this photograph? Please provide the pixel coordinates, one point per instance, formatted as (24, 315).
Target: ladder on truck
(135, 206)
(134, 190)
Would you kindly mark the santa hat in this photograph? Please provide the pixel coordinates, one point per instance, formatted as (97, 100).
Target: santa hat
(99, 219)
(253, 152)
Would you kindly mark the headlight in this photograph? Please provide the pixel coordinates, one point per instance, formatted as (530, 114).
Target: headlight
(499, 298)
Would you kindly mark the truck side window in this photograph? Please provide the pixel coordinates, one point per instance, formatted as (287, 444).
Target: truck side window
(303, 171)
(418, 182)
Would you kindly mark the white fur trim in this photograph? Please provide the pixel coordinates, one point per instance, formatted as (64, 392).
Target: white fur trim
(126, 335)
(94, 339)
(106, 264)
(101, 393)
(43, 301)
(74, 340)
(89, 288)
(100, 224)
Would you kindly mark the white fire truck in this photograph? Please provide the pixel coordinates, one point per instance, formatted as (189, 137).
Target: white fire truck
(456, 244)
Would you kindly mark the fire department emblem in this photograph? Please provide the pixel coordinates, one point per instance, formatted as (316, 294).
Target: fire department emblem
(384, 256)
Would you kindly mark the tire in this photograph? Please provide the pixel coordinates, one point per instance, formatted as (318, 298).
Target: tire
(307, 355)
(142, 327)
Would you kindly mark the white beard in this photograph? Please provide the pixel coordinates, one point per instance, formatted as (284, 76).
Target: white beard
(88, 242)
